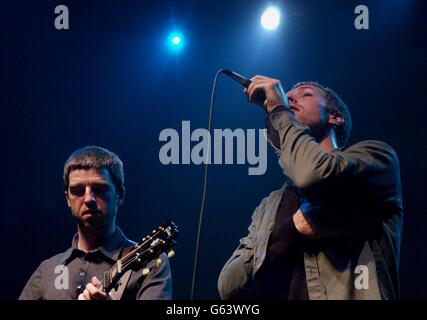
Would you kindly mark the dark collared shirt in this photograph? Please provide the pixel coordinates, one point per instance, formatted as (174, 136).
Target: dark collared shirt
(64, 276)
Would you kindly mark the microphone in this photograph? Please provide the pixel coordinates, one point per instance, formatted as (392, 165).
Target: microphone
(259, 95)
(237, 77)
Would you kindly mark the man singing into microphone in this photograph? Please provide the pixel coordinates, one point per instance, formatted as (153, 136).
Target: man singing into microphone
(333, 230)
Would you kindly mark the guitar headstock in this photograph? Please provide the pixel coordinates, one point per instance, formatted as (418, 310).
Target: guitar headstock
(160, 240)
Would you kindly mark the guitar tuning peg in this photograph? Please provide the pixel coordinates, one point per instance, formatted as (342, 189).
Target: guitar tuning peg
(171, 253)
(158, 262)
(145, 271)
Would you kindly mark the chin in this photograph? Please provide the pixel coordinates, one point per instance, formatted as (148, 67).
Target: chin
(91, 222)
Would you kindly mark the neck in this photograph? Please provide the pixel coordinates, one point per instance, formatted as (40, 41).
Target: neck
(92, 238)
(329, 141)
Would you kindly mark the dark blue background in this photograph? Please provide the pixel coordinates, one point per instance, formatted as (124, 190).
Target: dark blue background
(111, 81)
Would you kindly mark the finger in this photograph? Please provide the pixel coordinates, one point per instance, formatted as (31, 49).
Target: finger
(86, 295)
(95, 281)
(246, 91)
(95, 293)
(255, 81)
(253, 89)
(267, 83)
(259, 78)
(91, 288)
(250, 90)
(81, 297)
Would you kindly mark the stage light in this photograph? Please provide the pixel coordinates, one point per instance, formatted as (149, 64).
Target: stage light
(270, 19)
(176, 41)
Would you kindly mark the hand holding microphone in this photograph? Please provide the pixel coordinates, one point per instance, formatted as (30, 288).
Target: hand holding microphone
(264, 91)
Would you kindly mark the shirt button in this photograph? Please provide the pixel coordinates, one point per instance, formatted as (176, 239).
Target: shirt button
(82, 274)
(79, 286)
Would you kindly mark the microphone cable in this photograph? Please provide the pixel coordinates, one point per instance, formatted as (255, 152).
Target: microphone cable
(205, 183)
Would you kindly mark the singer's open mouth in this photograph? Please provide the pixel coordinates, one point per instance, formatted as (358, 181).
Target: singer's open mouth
(293, 108)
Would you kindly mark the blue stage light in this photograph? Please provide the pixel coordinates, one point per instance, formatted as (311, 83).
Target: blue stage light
(176, 41)
(270, 19)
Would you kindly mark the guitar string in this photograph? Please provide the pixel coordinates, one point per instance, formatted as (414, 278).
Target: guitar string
(127, 263)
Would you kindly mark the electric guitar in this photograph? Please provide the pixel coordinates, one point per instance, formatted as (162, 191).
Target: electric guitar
(152, 246)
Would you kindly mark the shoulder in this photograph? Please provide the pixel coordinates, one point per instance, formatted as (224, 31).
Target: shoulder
(48, 268)
(374, 148)
(373, 145)
(55, 260)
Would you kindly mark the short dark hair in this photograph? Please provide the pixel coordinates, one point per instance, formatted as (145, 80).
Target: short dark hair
(334, 104)
(97, 158)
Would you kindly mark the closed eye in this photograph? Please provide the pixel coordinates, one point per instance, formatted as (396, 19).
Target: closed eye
(100, 189)
(77, 191)
(97, 189)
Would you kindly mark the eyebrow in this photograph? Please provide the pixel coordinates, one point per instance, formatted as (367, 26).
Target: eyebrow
(97, 183)
(306, 87)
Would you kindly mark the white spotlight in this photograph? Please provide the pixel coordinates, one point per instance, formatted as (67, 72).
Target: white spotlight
(270, 19)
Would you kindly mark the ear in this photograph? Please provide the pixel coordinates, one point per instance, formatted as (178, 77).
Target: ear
(68, 200)
(120, 196)
(336, 119)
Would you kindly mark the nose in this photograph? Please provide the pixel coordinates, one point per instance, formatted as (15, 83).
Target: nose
(89, 199)
(291, 97)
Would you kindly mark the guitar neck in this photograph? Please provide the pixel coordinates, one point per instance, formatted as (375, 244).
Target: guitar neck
(152, 246)
(111, 277)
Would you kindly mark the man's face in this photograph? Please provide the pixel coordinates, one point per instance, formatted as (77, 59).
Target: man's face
(309, 107)
(92, 197)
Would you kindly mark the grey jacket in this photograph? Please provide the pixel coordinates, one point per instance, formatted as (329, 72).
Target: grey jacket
(352, 199)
